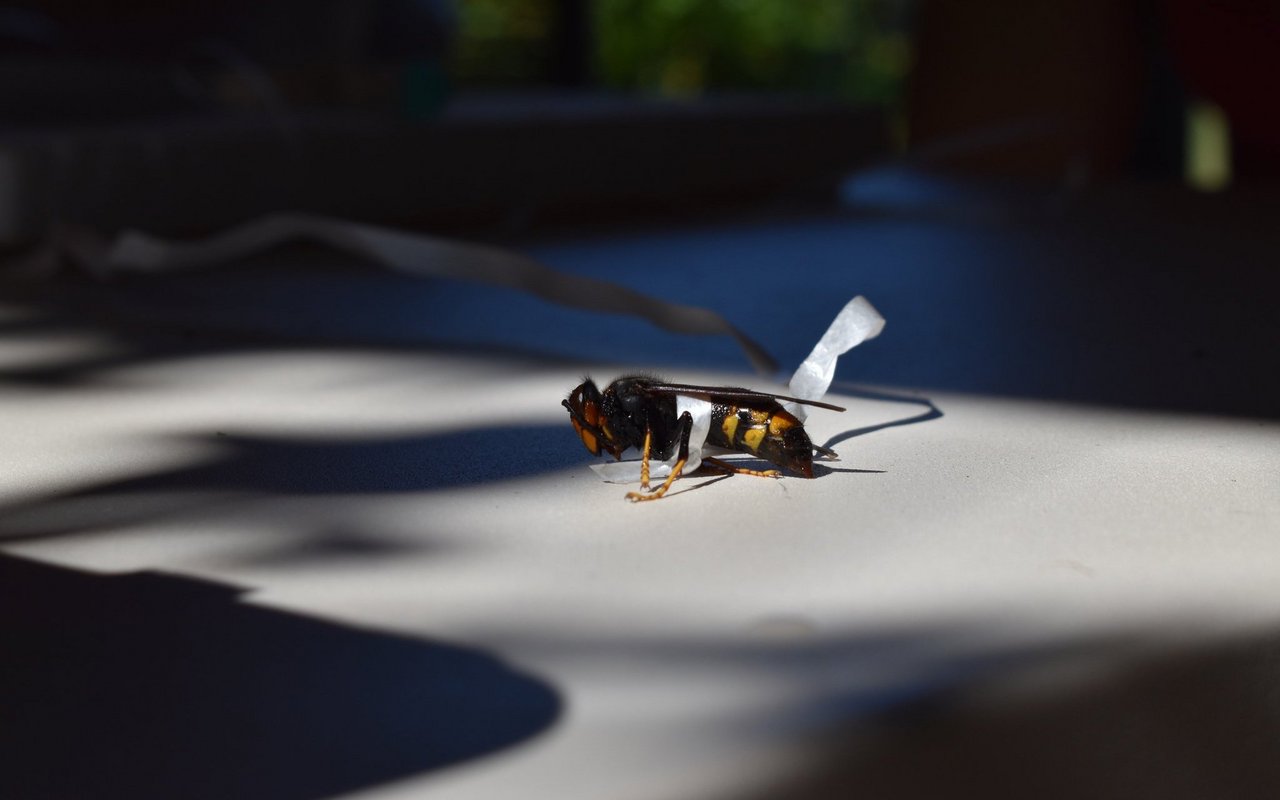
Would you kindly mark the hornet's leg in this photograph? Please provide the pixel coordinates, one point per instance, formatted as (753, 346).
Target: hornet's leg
(731, 469)
(644, 461)
(686, 427)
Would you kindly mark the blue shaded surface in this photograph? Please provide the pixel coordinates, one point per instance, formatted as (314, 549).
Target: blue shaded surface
(1014, 292)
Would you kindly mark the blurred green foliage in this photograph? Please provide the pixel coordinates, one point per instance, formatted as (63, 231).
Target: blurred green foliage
(846, 48)
(852, 49)
(503, 42)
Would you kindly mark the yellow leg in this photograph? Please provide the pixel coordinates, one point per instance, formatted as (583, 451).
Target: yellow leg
(644, 461)
(686, 425)
(730, 468)
(636, 497)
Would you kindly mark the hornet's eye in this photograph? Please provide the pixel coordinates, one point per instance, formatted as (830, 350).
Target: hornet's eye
(590, 412)
(588, 437)
(584, 413)
(587, 433)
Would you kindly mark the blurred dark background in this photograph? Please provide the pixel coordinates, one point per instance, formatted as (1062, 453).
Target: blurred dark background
(183, 117)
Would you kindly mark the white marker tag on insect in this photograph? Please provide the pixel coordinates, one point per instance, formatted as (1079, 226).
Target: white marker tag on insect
(629, 471)
(857, 322)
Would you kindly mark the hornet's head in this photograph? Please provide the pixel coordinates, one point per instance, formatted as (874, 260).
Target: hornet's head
(584, 412)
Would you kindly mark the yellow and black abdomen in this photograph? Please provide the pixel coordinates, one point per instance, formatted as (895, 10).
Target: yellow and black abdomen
(770, 432)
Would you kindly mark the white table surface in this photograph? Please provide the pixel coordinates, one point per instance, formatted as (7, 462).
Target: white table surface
(1055, 576)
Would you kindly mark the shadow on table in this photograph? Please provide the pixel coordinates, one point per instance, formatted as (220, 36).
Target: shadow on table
(946, 709)
(244, 467)
(1182, 724)
(931, 411)
(148, 685)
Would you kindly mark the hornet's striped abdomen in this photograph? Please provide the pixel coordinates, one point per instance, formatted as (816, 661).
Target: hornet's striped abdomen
(769, 433)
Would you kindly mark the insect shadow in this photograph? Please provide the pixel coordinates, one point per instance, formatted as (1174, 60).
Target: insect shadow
(709, 478)
(931, 412)
(821, 469)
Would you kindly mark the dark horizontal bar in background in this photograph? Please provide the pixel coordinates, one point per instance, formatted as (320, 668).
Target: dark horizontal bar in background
(482, 156)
